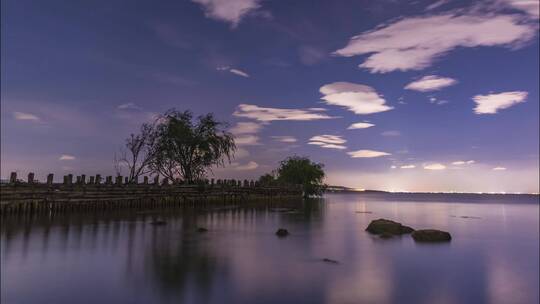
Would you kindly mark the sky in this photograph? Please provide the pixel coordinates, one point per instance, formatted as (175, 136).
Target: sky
(390, 95)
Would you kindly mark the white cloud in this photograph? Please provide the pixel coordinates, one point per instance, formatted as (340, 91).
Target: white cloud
(436, 4)
(462, 162)
(358, 98)
(430, 83)
(246, 140)
(367, 154)
(328, 141)
(234, 71)
(360, 125)
(271, 114)
(241, 153)
(531, 7)
(231, 11)
(25, 116)
(285, 139)
(499, 169)
(435, 166)
(393, 167)
(66, 157)
(328, 146)
(408, 167)
(245, 128)
(129, 106)
(414, 43)
(391, 133)
(490, 104)
(249, 166)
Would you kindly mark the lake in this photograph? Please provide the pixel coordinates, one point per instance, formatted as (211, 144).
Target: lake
(122, 258)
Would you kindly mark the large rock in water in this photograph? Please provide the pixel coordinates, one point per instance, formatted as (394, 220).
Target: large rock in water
(431, 235)
(387, 227)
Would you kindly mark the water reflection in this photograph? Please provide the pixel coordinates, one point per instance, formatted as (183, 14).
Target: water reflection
(122, 258)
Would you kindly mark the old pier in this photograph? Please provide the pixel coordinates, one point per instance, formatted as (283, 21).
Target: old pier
(93, 193)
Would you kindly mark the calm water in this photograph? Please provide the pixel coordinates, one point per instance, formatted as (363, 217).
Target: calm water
(493, 257)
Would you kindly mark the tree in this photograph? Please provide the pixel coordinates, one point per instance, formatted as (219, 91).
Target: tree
(188, 149)
(267, 180)
(300, 170)
(138, 153)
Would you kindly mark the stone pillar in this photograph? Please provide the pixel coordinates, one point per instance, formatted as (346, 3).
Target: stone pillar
(13, 178)
(30, 178)
(50, 178)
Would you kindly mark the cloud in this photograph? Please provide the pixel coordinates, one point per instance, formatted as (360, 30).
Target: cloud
(245, 128)
(231, 11)
(25, 116)
(430, 83)
(241, 153)
(249, 166)
(367, 154)
(310, 55)
(328, 146)
(408, 167)
(360, 125)
(129, 106)
(414, 43)
(234, 71)
(246, 140)
(271, 114)
(462, 162)
(490, 104)
(285, 139)
(66, 157)
(499, 169)
(358, 98)
(328, 141)
(437, 4)
(531, 7)
(435, 166)
(391, 133)
(434, 100)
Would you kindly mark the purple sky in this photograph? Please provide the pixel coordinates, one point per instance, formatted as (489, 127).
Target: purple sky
(391, 95)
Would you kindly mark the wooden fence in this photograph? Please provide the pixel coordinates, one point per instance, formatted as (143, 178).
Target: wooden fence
(94, 193)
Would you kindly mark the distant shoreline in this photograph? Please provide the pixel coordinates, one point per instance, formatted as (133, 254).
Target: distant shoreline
(444, 193)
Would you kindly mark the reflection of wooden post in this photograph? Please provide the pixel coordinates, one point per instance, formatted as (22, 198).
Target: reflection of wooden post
(83, 179)
(98, 178)
(145, 180)
(50, 179)
(91, 182)
(30, 178)
(13, 178)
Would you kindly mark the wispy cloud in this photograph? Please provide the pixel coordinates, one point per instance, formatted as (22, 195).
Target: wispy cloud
(367, 154)
(231, 11)
(246, 140)
(434, 166)
(249, 166)
(66, 157)
(241, 153)
(285, 139)
(245, 128)
(129, 106)
(499, 169)
(360, 125)
(391, 133)
(358, 98)
(234, 71)
(436, 4)
(25, 116)
(271, 114)
(490, 104)
(531, 7)
(328, 141)
(414, 43)
(407, 167)
(430, 83)
(463, 162)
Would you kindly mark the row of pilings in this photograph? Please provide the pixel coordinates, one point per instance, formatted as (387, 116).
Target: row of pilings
(19, 197)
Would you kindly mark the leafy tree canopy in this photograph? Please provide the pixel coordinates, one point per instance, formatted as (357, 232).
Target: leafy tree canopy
(301, 170)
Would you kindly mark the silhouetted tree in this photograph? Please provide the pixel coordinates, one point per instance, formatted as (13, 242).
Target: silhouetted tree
(300, 170)
(138, 152)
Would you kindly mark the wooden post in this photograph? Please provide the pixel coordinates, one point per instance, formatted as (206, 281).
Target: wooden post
(108, 180)
(212, 181)
(251, 184)
(30, 178)
(78, 179)
(70, 179)
(165, 181)
(65, 179)
(50, 179)
(83, 179)
(118, 180)
(98, 179)
(156, 180)
(13, 178)
(246, 183)
(145, 180)
(136, 180)
(126, 180)
(91, 182)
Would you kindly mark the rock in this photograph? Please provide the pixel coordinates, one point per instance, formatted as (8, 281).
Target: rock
(158, 223)
(330, 261)
(384, 226)
(386, 235)
(282, 232)
(431, 235)
(202, 229)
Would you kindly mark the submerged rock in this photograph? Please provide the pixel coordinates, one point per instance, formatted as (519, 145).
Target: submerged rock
(431, 235)
(387, 228)
(282, 232)
(158, 223)
(202, 229)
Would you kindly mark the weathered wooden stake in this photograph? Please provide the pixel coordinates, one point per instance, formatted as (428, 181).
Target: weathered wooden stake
(118, 180)
(145, 180)
(70, 179)
(50, 178)
(156, 180)
(126, 180)
(30, 178)
(13, 178)
(98, 178)
(78, 179)
(83, 179)
(108, 180)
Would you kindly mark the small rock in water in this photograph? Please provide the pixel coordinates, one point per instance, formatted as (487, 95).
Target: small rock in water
(282, 232)
(202, 229)
(330, 261)
(431, 235)
(386, 235)
(384, 226)
(158, 223)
